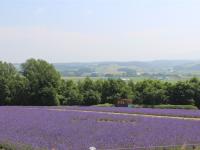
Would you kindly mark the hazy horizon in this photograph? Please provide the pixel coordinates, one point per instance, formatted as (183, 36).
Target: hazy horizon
(113, 61)
(99, 30)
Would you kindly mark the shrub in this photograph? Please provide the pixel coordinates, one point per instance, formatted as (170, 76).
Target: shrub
(16, 146)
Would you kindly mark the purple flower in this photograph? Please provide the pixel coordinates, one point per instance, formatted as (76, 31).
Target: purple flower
(62, 130)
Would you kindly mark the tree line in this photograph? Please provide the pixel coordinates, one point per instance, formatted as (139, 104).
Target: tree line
(38, 83)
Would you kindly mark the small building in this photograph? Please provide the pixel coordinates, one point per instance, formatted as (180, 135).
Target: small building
(123, 102)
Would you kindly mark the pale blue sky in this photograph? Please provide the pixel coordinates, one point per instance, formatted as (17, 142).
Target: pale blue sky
(99, 30)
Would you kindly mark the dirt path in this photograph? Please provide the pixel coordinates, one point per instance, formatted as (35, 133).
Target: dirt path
(123, 113)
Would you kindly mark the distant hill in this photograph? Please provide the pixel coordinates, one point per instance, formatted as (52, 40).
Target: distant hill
(128, 69)
(103, 68)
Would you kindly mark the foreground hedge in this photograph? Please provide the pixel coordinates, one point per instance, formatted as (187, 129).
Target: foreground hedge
(166, 106)
(16, 146)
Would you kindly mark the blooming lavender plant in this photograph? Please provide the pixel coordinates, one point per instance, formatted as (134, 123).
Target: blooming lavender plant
(64, 130)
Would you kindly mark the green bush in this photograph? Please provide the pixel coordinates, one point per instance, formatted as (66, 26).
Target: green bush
(17, 146)
(175, 107)
(166, 106)
(104, 105)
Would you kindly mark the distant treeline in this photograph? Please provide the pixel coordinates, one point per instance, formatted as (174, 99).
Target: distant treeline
(38, 83)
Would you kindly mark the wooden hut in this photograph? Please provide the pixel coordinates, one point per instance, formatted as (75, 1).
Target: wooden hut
(123, 102)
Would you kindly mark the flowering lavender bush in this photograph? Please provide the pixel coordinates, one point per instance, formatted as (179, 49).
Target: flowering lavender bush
(63, 130)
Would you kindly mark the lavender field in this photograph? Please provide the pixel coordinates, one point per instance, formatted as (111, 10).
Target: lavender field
(44, 127)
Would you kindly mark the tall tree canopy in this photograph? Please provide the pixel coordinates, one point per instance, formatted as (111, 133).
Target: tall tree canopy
(9, 78)
(150, 92)
(115, 89)
(70, 94)
(44, 82)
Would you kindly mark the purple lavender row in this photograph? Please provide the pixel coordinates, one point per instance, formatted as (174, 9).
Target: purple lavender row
(75, 130)
(150, 111)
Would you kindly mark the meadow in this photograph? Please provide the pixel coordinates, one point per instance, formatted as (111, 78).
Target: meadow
(78, 128)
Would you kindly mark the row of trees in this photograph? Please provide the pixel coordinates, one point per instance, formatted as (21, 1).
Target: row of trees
(38, 83)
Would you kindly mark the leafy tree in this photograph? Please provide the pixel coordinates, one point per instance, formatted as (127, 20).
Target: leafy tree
(195, 84)
(150, 92)
(90, 91)
(91, 97)
(182, 93)
(48, 96)
(19, 91)
(86, 84)
(4, 91)
(8, 77)
(43, 80)
(131, 85)
(70, 93)
(99, 85)
(115, 89)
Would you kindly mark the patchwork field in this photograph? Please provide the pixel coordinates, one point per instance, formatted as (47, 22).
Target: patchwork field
(78, 128)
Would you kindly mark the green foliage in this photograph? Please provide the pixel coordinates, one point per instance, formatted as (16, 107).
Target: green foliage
(182, 93)
(195, 84)
(175, 107)
(150, 92)
(91, 97)
(39, 83)
(90, 92)
(19, 91)
(165, 106)
(70, 93)
(17, 146)
(115, 89)
(104, 105)
(43, 82)
(8, 78)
